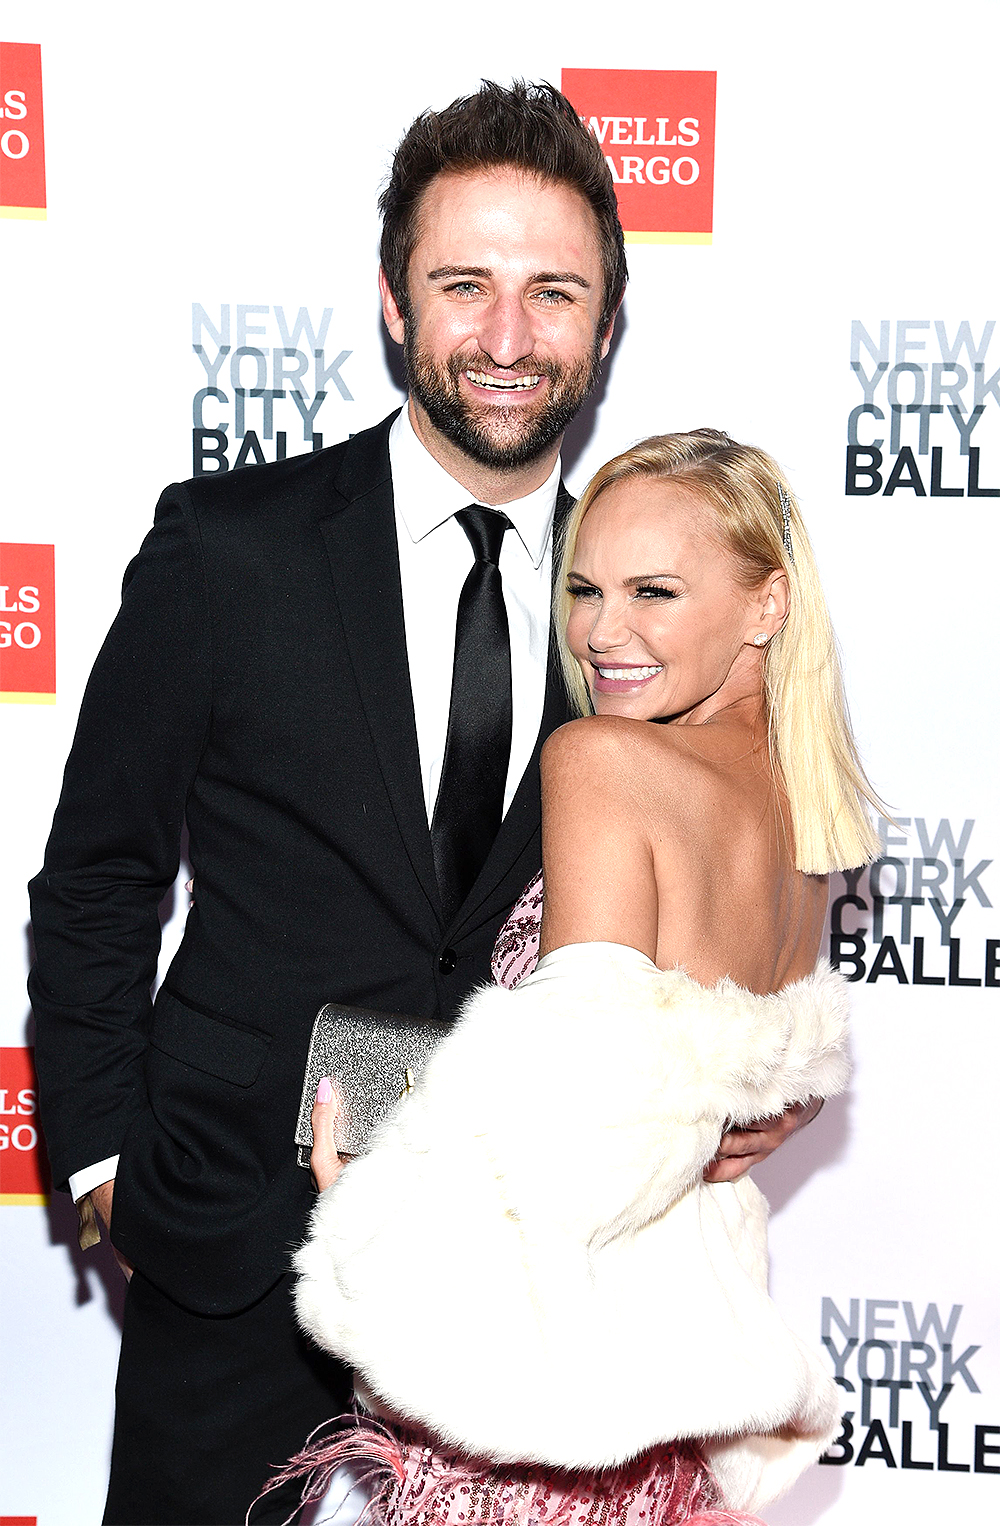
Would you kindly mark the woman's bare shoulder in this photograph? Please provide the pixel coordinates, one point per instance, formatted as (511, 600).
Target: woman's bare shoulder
(611, 746)
(635, 763)
(596, 848)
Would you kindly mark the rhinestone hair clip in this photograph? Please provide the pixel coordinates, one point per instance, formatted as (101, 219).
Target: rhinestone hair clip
(786, 522)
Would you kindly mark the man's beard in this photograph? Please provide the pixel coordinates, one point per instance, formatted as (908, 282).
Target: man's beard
(500, 438)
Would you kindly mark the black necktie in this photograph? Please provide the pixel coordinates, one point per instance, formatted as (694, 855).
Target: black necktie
(469, 803)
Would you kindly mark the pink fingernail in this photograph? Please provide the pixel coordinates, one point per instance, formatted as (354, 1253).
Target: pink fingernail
(324, 1091)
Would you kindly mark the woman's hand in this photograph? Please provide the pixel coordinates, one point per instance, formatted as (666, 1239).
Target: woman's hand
(326, 1164)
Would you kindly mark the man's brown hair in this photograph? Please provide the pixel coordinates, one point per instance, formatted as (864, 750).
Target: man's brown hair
(530, 127)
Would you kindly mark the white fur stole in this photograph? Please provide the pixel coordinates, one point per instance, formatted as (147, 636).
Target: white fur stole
(528, 1262)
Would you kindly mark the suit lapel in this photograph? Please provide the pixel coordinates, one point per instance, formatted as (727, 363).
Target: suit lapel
(361, 542)
(360, 538)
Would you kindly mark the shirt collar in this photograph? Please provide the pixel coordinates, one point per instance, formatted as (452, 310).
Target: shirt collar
(426, 495)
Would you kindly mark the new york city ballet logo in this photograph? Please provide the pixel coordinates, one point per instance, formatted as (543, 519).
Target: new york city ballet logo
(265, 378)
(910, 1376)
(926, 423)
(657, 130)
(27, 624)
(22, 138)
(921, 915)
(24, 1167)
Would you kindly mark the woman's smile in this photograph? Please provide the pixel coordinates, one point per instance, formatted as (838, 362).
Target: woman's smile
(623, 678)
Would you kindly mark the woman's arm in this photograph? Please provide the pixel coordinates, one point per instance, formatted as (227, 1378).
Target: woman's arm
(596, 845)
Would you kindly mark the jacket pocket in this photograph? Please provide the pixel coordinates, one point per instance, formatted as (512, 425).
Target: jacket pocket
(207, 1043)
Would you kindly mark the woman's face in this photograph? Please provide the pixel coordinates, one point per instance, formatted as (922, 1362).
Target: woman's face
(659, 622)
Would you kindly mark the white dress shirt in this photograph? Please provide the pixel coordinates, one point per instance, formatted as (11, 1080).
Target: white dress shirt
(435, 558)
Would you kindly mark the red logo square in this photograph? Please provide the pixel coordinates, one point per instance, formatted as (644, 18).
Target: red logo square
(22, 134)
(657, 130)
(24, 1167)
(27, 624)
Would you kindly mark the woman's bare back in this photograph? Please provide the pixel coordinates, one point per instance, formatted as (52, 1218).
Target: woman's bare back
(675, 840)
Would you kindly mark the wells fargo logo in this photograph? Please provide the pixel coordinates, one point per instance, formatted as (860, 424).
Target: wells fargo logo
(657, 130)
(24, 1166)
(27, 624)
(22, 140)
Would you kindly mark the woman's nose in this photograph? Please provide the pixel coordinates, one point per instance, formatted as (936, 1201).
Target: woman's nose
(610, 628)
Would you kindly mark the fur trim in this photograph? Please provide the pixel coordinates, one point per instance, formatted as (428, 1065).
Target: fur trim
(528, 1263)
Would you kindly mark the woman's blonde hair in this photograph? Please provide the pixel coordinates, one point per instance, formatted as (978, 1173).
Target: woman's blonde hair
(810, 733)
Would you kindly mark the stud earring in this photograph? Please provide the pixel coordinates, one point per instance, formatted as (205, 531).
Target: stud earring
(760, 639)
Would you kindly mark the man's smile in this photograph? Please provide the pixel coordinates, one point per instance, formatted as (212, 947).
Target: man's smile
(502, 384)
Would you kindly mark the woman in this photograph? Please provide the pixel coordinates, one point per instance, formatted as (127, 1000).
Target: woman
(527, 1269)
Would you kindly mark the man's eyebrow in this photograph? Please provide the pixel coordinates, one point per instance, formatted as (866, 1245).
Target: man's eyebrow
(570, 276)
(444, 272)
(483, 272)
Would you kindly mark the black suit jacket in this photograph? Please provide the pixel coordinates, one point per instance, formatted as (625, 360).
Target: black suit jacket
(255, 682)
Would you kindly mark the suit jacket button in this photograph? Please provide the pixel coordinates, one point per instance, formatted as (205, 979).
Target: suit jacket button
(447, 960)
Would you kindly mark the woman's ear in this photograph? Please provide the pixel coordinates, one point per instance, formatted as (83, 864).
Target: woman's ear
(769, 609)
(777, 599)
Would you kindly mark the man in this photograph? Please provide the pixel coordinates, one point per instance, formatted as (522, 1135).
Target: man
(337, 668)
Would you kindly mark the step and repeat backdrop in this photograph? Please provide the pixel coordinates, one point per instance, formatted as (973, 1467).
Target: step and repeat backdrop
(188, 238)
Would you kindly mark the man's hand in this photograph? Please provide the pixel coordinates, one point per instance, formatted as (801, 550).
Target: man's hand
(740, 1149)
(101, 1197)
(325, 1162)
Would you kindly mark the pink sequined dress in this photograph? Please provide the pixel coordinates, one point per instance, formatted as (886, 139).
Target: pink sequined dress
(413, 1482)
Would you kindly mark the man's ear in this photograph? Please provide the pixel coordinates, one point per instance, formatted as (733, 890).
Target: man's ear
(610, 330)
(390, 308)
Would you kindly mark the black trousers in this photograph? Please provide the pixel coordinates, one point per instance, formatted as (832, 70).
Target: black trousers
(206, 1406)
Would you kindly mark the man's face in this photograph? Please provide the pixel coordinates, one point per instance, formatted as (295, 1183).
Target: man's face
(501, 342)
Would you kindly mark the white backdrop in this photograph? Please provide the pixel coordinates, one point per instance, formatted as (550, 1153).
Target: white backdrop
(230, 156)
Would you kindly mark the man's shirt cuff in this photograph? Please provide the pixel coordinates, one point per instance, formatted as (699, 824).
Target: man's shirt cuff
(82, 1182)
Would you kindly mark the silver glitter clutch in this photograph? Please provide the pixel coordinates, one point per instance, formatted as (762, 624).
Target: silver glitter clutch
(373, 1059)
